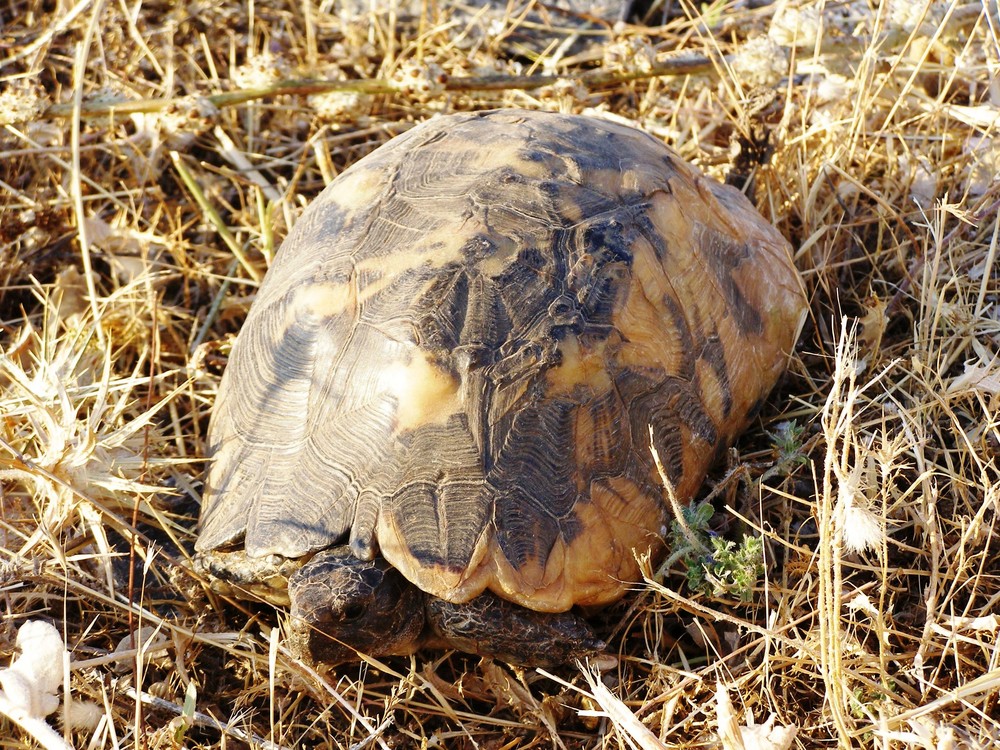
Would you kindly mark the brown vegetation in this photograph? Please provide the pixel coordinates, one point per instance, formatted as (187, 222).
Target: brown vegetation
(152, 156)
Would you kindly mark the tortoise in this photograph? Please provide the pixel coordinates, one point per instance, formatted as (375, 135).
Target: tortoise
(434, 426)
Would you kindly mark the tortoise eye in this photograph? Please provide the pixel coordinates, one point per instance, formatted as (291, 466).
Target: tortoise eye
(353, 612)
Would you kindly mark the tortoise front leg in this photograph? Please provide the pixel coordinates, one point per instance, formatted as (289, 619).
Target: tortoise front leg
(491, 626)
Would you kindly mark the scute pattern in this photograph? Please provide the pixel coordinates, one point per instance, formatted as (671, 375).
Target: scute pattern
(456, 356)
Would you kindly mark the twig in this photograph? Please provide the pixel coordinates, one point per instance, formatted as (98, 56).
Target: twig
(213, 216)
(76, 189)
(676, 66)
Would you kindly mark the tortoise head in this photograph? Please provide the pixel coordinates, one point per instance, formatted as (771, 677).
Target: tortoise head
(340, 604)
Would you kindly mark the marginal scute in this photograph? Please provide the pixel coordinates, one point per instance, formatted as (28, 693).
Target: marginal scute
(457, 355)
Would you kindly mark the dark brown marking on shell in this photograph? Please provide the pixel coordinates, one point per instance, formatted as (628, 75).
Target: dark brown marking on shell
(685, 366)
(710, 351)
(677, 418)
(599, 270)
(714, 354)
(446, 302)
(604, 443)
(756, 407)
(535, 480)
(644, 226)
(724, 257)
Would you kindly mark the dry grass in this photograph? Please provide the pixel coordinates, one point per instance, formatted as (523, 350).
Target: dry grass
(140, 201)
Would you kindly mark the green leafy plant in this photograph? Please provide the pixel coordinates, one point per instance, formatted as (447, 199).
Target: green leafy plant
(789, 446)
(715, 566)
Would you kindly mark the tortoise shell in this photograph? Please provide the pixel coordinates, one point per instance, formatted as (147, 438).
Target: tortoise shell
(456, 358)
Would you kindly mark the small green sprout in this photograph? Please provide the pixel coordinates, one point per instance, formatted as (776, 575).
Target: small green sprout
(715, 566)
(789, 445)
(180, 725)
